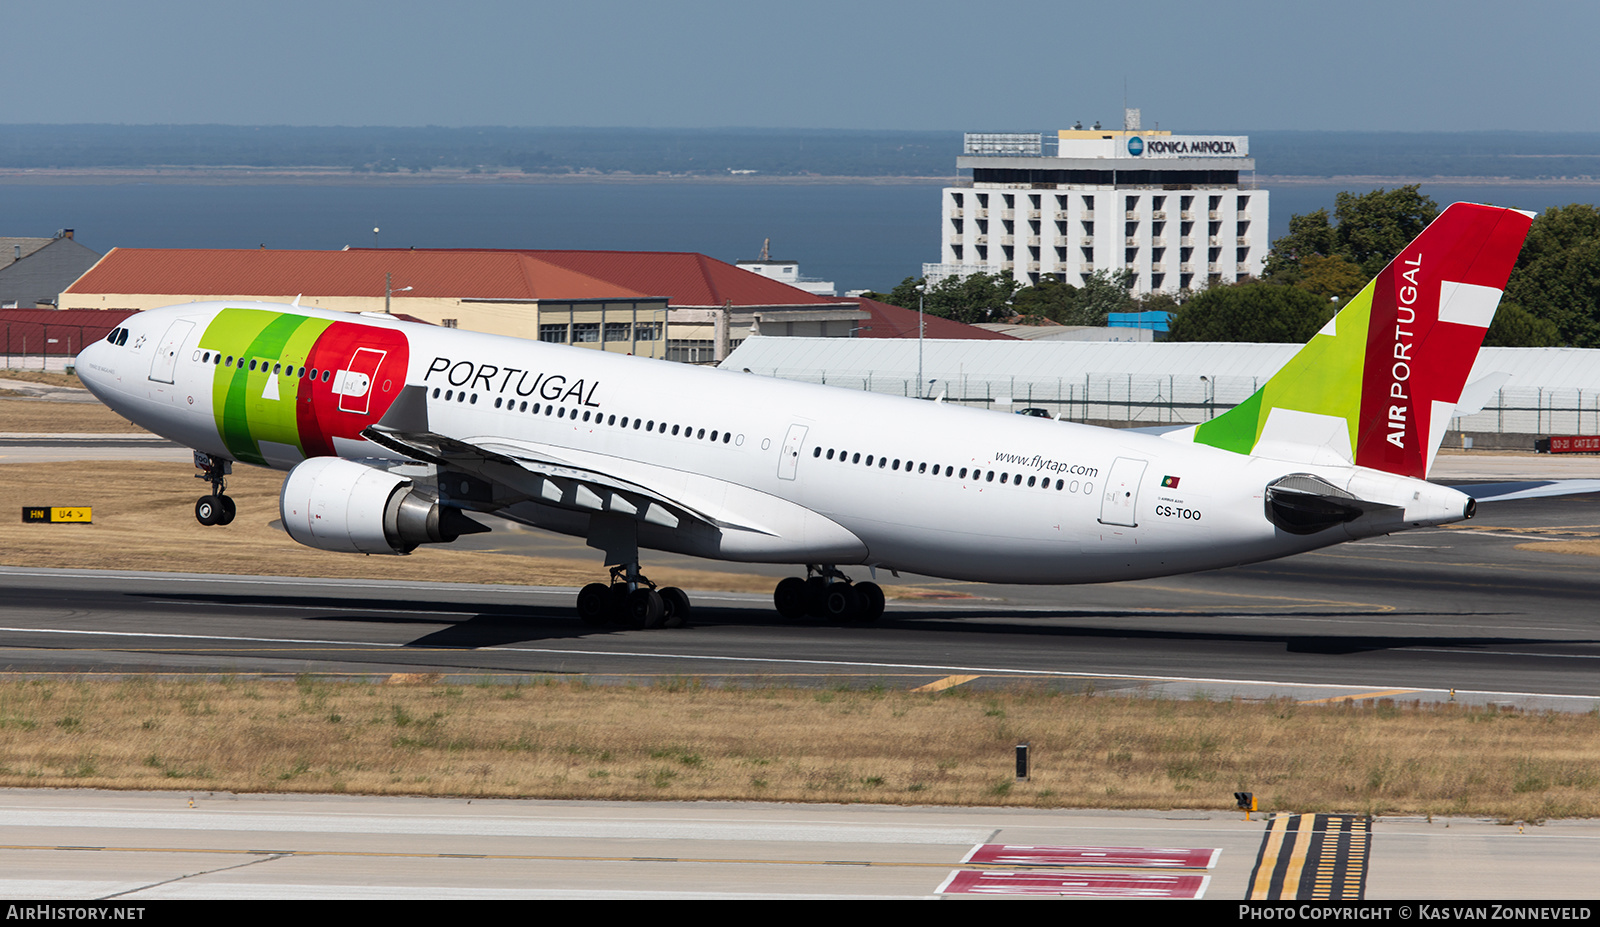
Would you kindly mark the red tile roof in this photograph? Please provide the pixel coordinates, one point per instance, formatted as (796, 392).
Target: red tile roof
(687, 278)
(890, 321)
(430, 274)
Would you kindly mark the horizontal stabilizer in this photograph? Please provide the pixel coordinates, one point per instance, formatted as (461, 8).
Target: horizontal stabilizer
(1529, 489)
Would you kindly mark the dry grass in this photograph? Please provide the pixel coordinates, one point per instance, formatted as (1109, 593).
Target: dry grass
(49, 377)
(683, 741)
(37, 416)
(1584, 548)
(144, 520)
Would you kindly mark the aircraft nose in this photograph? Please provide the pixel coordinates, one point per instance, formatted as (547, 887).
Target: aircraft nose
(93, 366)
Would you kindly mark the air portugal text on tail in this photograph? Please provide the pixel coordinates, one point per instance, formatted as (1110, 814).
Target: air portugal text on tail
(395, 434)
(1377, 386)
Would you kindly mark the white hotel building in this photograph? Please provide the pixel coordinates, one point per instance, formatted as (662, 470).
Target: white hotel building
(1169, 208)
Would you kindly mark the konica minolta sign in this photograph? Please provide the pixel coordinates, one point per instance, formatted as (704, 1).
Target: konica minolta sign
(1189, 146)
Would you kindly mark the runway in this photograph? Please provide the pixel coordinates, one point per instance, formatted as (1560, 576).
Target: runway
(130, 848)
(1409, 617)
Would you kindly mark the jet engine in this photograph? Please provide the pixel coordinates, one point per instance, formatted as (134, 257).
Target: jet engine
(334, 504)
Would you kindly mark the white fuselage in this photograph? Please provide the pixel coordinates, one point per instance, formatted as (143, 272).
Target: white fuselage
(950, 491)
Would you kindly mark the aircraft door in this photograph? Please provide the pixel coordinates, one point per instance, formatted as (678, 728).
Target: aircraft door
(789, 462)
(164, 366)
(1120, 504)
(354, 383)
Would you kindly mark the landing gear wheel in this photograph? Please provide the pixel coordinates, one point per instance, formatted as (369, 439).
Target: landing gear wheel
(594, 604)
(817, 596)
(842, 604)
(871, 601)
(790, 598)
(226, 510)
(206, 510)
(677, 603)
(645, 608)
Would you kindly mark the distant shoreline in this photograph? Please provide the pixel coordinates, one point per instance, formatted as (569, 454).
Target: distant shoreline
(236, 176)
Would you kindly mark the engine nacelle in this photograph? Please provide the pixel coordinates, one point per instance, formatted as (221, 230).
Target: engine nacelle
(334, 504)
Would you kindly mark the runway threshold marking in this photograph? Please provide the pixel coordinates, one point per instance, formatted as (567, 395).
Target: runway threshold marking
(1318, 857)
(948, 682)
(1084, 872)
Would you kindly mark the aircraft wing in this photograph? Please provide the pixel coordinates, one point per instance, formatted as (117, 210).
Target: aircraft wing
(540, 477)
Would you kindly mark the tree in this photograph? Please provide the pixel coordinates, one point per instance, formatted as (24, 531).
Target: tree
(1557, 277)
(1251, 311)
(1048, 299)
(969, 299)
(903, 295)
(1102, 293)
(973, 298)
(1516, 327)
(1372, 228)
(1331, 277)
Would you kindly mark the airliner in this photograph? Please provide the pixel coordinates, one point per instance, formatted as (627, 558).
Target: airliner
(393, 433)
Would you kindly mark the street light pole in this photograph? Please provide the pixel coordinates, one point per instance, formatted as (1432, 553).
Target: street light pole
(919, 343)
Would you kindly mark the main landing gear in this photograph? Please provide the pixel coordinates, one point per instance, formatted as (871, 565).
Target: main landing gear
(216, 508)
(631, 600)
(829, 594)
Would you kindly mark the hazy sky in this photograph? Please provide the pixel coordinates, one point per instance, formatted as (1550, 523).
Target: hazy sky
(977, 65)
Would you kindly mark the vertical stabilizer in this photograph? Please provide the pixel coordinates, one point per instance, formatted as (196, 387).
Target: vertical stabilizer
(1377, 386)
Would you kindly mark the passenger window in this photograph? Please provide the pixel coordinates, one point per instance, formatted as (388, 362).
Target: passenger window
(857, 459)
(817, 452)
(700, 435)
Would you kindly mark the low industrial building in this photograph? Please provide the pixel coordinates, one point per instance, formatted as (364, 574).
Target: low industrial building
(678, 306)
(1510, 391)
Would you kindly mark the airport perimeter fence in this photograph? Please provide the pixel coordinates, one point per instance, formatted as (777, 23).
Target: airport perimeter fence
(1126, 399)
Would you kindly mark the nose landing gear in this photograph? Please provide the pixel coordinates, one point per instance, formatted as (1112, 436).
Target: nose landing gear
(216, 508)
